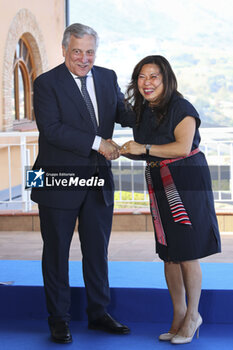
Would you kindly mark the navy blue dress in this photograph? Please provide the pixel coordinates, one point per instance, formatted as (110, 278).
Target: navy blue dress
(192, 179)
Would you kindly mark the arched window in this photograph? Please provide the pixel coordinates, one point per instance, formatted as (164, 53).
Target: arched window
(24, 75)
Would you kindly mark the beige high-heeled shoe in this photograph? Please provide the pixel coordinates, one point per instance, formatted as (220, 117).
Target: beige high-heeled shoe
(166, 336)
(178, 339)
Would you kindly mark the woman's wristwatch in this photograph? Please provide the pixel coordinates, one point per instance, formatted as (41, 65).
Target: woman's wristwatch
(148, 147)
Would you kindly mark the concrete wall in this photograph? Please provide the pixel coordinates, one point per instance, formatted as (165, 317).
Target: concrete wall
(123, 220)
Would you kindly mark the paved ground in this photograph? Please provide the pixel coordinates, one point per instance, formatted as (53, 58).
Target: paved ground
(124, 246)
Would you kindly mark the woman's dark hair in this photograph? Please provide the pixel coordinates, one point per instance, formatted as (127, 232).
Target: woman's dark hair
(134, 97)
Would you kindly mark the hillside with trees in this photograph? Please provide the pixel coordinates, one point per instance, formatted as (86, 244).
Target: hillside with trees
(194, 35)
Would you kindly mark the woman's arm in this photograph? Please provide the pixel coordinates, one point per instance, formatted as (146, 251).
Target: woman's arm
(181, 147)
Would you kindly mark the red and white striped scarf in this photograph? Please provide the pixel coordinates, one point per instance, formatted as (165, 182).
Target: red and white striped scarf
(177, 208)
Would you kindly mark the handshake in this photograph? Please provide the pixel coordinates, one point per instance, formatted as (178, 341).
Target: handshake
(110, 149)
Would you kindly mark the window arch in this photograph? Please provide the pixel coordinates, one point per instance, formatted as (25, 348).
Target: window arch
(23, 77)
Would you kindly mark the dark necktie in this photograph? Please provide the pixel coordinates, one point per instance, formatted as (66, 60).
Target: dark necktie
(88, 102)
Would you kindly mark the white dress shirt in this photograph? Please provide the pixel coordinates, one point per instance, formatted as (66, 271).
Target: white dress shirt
(91, 91)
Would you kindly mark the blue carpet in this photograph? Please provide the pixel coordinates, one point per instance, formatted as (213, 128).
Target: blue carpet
(138, 292)
(34, 335)
(121, 274)
(139, 298)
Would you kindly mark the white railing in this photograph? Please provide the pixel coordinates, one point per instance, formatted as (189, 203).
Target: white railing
(21, 148)
(16, 147)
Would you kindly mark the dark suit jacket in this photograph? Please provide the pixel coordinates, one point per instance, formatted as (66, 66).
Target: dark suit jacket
(66, 133)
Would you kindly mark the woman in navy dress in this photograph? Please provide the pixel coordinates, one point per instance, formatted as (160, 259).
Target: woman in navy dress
(179, 184)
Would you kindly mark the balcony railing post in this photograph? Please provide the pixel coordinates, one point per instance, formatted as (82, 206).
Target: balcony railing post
(28, 193)
(9, 172)
(23, 167)
(231, 171)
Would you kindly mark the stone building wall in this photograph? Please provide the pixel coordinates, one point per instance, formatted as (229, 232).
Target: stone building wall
(42, 24)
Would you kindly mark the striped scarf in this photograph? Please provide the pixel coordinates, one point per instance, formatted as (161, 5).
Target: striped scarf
(177, 208)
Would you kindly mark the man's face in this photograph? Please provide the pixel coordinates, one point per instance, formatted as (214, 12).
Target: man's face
(80, 54)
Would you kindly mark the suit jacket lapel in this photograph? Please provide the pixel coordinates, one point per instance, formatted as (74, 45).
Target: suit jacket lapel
(69, 86)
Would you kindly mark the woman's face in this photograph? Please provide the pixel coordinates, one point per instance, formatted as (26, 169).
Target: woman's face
(150, 82)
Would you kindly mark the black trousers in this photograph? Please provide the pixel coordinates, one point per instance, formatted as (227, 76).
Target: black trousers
(94, 228)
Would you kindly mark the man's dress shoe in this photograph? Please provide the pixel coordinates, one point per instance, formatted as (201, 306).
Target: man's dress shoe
(60, 332)
(108, 324)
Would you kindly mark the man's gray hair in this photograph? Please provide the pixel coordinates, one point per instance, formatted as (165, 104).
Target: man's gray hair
(78, 30)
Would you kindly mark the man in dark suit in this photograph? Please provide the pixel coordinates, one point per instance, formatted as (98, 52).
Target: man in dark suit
(76, 105)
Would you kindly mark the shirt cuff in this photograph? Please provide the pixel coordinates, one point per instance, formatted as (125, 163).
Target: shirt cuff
(96, 143)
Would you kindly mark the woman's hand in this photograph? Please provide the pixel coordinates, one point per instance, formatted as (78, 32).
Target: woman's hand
(132, 147)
